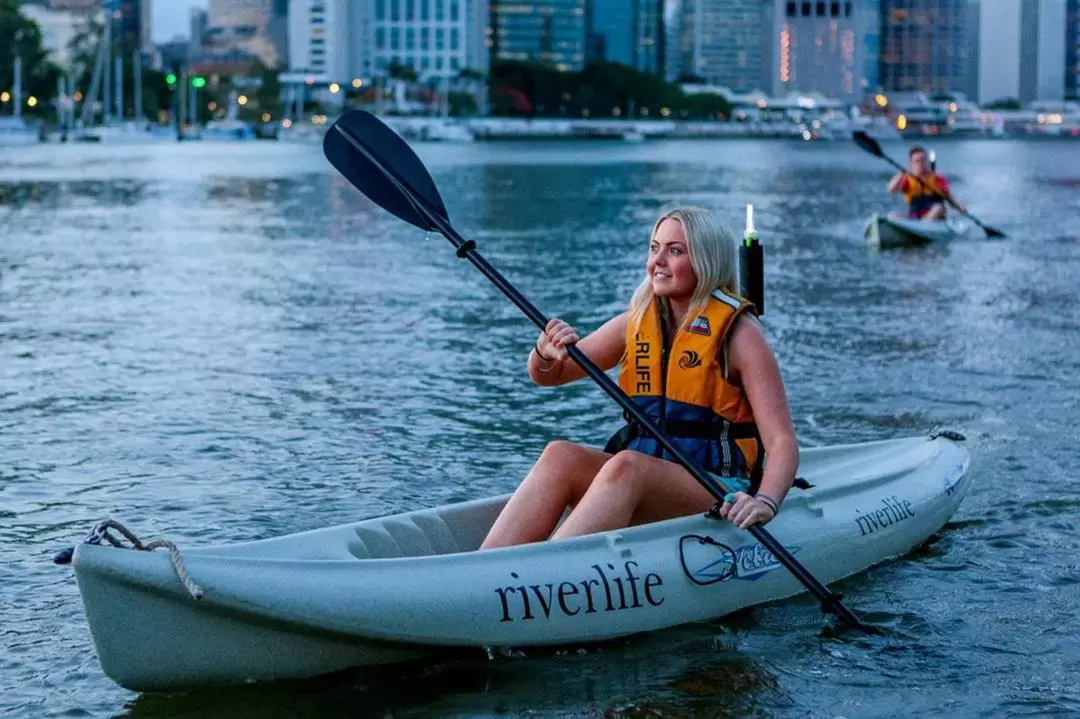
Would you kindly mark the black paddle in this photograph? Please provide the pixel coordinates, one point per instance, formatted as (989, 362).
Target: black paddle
(382, 166)
(871, 145)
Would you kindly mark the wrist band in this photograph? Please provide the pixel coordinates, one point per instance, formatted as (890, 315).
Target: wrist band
(769, 502)
(541, 354)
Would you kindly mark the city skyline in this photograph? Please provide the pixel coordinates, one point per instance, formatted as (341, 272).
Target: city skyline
(835, 73)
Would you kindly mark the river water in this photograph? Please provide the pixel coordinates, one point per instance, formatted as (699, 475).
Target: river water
(220, 343)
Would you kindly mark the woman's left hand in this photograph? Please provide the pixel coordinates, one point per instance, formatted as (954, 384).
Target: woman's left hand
(745, 511)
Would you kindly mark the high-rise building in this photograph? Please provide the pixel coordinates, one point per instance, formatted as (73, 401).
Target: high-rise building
(971, 87)
(279, 28)
(436, 38)
(999, 53)
(131, 20)
(611, 31)
(1072, 50)
(551, 32)
(826, 47)
(344, 40)
(231, 13)
(672, 49)
(320, 33)
(240, 28)
(1042, 50)
(629, 32)
(198, 23)
(925, 45)
(725, 42)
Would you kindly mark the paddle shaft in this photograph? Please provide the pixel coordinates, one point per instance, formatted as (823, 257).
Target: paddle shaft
(467, 250)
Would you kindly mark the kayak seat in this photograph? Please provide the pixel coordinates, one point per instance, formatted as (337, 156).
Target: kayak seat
(417, 536)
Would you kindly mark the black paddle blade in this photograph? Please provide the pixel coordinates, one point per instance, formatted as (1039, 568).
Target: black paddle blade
(376, 161)
(867, 143)
(991, 232)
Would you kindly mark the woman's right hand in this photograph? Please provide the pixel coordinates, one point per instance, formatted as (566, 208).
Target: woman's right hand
(554, 340)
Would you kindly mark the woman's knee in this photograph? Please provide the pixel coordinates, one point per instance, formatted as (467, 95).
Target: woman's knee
(561, 451)
(625, 467)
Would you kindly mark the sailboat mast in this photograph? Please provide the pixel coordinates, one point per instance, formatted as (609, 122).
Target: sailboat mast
(136, 68)
(119, 88)
(18, 80)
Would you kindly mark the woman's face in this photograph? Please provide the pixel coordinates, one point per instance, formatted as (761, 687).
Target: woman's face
(669, 268)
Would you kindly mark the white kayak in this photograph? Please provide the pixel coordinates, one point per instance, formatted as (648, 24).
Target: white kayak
(393, 588)
(886, 231)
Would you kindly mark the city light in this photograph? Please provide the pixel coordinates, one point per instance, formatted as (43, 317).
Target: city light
(881, 100)
(334, 88)
(211, 106)
(31, 101)
(901, 122)
(242, 100)
(78, 96)
(665, 111)
(170, 79)
(953, 107)
(357, 83)
(266, 117)
(785, 54)
(616, 111)
(5, 96)
(198, 82)
(286, 123)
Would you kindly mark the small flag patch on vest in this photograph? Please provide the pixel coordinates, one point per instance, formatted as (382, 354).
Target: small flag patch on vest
(700, 326)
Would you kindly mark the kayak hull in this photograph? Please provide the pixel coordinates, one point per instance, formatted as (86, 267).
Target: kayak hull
(889, 232)
(389, 589)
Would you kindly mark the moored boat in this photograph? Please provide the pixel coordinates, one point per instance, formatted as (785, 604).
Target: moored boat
(888, 231)
(392, 588)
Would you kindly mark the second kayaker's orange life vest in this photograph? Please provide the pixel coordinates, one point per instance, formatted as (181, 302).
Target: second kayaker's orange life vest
(926, 191)
(683, 389)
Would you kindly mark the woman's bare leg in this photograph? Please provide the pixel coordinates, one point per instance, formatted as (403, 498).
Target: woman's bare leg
(634, 488)
(558, 479)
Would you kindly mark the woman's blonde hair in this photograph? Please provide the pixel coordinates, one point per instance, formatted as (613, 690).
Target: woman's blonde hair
(711, 245)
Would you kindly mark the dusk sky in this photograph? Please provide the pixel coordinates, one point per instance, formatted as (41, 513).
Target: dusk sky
(170, 17)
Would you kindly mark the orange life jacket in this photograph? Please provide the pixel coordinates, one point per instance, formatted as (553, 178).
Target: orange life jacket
(683, 388)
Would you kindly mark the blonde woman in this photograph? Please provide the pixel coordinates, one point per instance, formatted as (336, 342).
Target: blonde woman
(693, 357)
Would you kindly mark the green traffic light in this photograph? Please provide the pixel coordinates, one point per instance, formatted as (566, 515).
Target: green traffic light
(170, 79)
(198, 82)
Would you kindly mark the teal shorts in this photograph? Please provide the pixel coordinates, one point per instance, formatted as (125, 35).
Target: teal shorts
(735, 484)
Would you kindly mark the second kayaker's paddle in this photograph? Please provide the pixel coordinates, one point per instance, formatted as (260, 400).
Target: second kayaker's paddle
(871, 145)
(382, 166)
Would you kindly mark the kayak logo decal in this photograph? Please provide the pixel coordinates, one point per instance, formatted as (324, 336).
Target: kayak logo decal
(893, 512)
(604, 589)
(689, 360)
(953, 476)
(707, 561)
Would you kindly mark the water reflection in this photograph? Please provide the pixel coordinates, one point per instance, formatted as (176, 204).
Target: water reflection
(701, 675)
